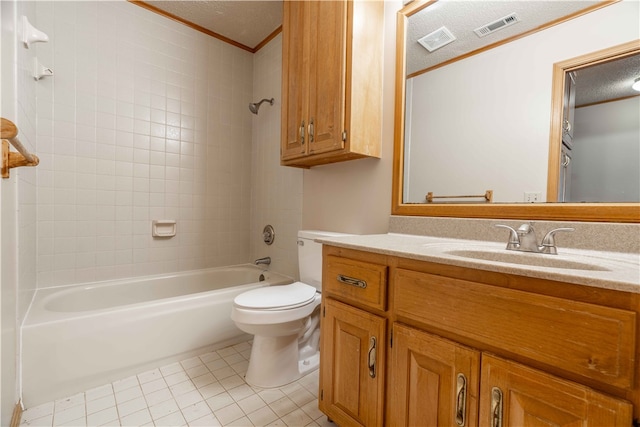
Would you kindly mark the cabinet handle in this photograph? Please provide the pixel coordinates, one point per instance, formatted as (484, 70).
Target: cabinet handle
(566, 126)
(302, 133)
(461, 399)
(311, 130)
(372, 357)
(351, 281)
(496, 407)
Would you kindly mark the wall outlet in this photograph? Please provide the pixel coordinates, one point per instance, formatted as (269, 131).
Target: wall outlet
(532, 197)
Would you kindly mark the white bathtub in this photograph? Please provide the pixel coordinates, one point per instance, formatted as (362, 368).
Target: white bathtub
(82, 336)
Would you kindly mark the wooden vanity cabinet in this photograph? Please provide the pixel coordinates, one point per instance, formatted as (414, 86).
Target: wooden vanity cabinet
(332, 81)
(354, 340)
(469, 347)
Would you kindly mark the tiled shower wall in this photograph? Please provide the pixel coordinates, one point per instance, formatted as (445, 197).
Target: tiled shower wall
(143, 119)
(276, 191)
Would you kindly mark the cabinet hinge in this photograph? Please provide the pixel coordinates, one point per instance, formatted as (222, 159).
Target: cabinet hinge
(391, 339)
(324, 311)
(344, 136)
(321, 394)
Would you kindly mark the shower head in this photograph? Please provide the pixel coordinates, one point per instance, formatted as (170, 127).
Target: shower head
(255, 106)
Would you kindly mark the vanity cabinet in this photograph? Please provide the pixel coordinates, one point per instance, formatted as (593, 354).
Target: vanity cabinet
(468, 347)
(332, 81)
(354, 341)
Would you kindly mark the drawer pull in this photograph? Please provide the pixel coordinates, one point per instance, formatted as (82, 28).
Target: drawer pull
(372, 357)
(461, 399)
(351, 281)
(496, 407)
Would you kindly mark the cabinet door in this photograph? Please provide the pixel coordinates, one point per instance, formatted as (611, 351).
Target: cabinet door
(515, 395)
(327, 75)
(434, 382)
(352, 361)
(295, 63)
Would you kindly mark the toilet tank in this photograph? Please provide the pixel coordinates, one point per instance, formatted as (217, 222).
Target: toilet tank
(310, 256)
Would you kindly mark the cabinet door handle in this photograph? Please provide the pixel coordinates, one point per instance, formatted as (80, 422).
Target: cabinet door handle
(352, 281)
(372, 357)
(461, 399)
(311, 130)
(302, 133)
(496, 407)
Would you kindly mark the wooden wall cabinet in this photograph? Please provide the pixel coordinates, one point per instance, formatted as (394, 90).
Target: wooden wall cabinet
(332, 81)
(473, 348)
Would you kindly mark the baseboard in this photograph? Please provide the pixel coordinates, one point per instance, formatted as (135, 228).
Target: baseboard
(17, 415)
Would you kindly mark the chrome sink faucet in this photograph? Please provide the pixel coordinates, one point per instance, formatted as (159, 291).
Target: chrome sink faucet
(524, 239)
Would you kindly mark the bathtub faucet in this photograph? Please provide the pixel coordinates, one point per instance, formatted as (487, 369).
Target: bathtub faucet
(266, 261)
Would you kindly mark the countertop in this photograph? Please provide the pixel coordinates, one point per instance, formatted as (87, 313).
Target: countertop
(611, 270)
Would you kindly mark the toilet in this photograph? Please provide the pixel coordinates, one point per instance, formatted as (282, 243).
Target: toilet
(285, 320)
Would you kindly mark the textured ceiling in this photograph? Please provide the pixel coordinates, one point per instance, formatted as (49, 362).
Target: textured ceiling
(594, 84)
(243, 21)
(610, 80)
(462, 17)
(249, 22)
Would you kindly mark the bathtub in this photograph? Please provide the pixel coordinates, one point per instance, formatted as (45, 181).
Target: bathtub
(82, 336)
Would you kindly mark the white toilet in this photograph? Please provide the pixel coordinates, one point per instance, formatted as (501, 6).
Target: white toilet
(285, 320)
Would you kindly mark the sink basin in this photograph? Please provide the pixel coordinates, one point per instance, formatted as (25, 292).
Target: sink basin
(525, 258)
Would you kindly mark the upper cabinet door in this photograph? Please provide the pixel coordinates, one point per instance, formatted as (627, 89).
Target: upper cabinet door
(327, 75)
(515, 395)
(295, 78)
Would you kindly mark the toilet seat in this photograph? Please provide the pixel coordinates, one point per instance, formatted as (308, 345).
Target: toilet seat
(283, 297)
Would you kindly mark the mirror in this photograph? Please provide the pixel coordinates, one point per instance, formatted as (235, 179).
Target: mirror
(465, 97)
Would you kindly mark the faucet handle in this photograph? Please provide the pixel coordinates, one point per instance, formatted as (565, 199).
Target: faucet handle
(549, 241)
(514, 240)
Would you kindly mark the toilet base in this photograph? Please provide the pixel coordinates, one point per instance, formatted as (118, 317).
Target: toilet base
(274, 361)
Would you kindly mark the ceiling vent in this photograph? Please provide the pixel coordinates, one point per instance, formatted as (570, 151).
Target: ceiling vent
(435, 40)
(497, 25)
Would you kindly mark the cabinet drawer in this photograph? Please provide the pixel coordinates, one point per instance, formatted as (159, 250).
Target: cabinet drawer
(587, 339)
(360, 283)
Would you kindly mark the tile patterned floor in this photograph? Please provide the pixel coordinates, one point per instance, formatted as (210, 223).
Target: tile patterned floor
(208, 390)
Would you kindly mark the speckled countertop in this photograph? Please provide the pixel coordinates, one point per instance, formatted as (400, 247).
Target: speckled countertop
(610, 270)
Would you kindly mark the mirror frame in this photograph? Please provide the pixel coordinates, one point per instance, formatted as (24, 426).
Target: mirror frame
(602, 212)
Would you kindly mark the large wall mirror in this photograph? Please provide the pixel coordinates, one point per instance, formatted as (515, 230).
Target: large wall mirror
(481, 118)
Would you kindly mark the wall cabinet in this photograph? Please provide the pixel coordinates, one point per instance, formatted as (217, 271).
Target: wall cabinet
(332, 81)
(468, 347)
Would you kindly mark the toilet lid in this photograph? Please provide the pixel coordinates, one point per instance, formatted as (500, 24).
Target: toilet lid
(274, 297)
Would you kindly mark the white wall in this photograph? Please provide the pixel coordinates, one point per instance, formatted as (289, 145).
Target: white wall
(143, 119)
(489, 114)
(606, 152)
(355, 196)
(276, 191)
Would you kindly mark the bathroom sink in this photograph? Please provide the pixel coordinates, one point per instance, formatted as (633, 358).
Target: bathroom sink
(525, 258)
